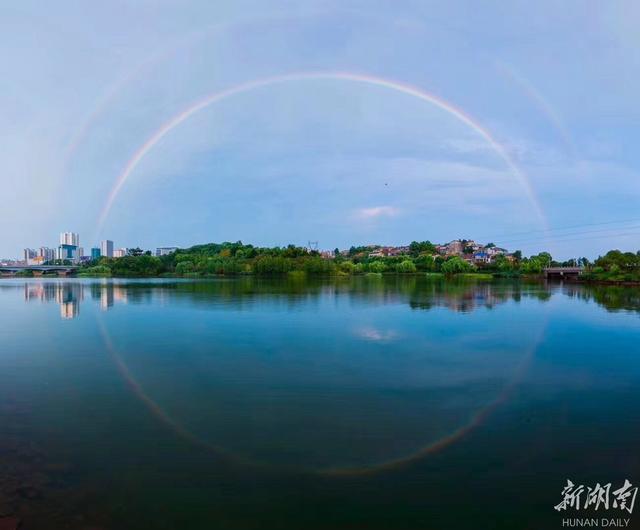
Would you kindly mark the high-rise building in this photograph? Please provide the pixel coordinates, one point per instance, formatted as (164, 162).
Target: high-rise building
(68, 249)
(70, 239)
(106, 248)
(95, 253)
(68, 253)
(120, 253)
(46, 253)
(29, 255)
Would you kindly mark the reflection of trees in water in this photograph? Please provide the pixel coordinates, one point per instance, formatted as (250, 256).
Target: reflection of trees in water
(611, 297)
(417, 291)
(468, 295)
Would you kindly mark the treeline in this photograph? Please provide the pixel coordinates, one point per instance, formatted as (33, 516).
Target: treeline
(615, 266)
(237, 259)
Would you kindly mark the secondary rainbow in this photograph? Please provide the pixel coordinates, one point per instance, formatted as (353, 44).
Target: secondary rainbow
(393, 85)
(541, 103)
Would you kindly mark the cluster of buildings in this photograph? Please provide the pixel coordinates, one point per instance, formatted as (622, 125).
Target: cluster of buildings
(389, 252)
(474, 253)
(466, 249)
(69, 249)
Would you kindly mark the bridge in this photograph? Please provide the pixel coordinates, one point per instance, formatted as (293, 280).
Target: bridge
(38, 270)
(563, 272)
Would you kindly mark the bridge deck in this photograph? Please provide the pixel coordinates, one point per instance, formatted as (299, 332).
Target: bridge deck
(563, 272)
(38, 267)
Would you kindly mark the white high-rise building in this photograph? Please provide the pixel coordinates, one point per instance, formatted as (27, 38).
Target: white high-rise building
(46, 253)
(120, 253)
(68, 248)
(106, 248)
(69, 238)
(29, 255)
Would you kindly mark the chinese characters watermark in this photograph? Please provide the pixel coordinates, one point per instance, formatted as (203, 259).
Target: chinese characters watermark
(580, 497)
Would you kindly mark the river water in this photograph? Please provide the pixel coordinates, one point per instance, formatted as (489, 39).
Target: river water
(371, 402)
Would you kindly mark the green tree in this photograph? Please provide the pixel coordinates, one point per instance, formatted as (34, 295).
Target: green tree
(502, 263)
(418, 247)
(317, 265)
(425, 262)
(623, 261)
(377, 266)
(294, 252)
(532, 265)
(272, 265)
(456, 265)
(184, 267)
(545, 258)
(405, 267)
(347, 267)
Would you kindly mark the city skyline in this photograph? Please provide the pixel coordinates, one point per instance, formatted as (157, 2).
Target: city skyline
(334, 121)
(70, 249)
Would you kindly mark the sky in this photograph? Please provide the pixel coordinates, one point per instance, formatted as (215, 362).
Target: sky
(156, 123)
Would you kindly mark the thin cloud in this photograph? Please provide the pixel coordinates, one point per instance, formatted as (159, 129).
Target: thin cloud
(376, 212)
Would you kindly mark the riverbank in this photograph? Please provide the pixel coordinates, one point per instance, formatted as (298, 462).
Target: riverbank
(586, 279)
(305, 275)
(237, 259)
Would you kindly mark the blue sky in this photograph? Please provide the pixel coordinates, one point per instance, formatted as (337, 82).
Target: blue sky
(340, 162)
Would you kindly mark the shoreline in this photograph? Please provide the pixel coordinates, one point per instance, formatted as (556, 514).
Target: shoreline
(482, 276)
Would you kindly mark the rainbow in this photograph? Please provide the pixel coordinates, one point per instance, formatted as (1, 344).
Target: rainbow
(432, 448)
(117, 87)
(137, 72)
(396, 86)
(541, 103)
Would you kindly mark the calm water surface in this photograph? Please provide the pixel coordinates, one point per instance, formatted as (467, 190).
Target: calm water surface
(365, 403)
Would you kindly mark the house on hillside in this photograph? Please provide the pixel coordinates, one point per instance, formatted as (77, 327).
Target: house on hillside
(388, 252)
(481, 256)
(453, 248)
(495, 251)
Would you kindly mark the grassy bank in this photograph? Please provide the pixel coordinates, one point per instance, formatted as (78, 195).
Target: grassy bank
(297, 275)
